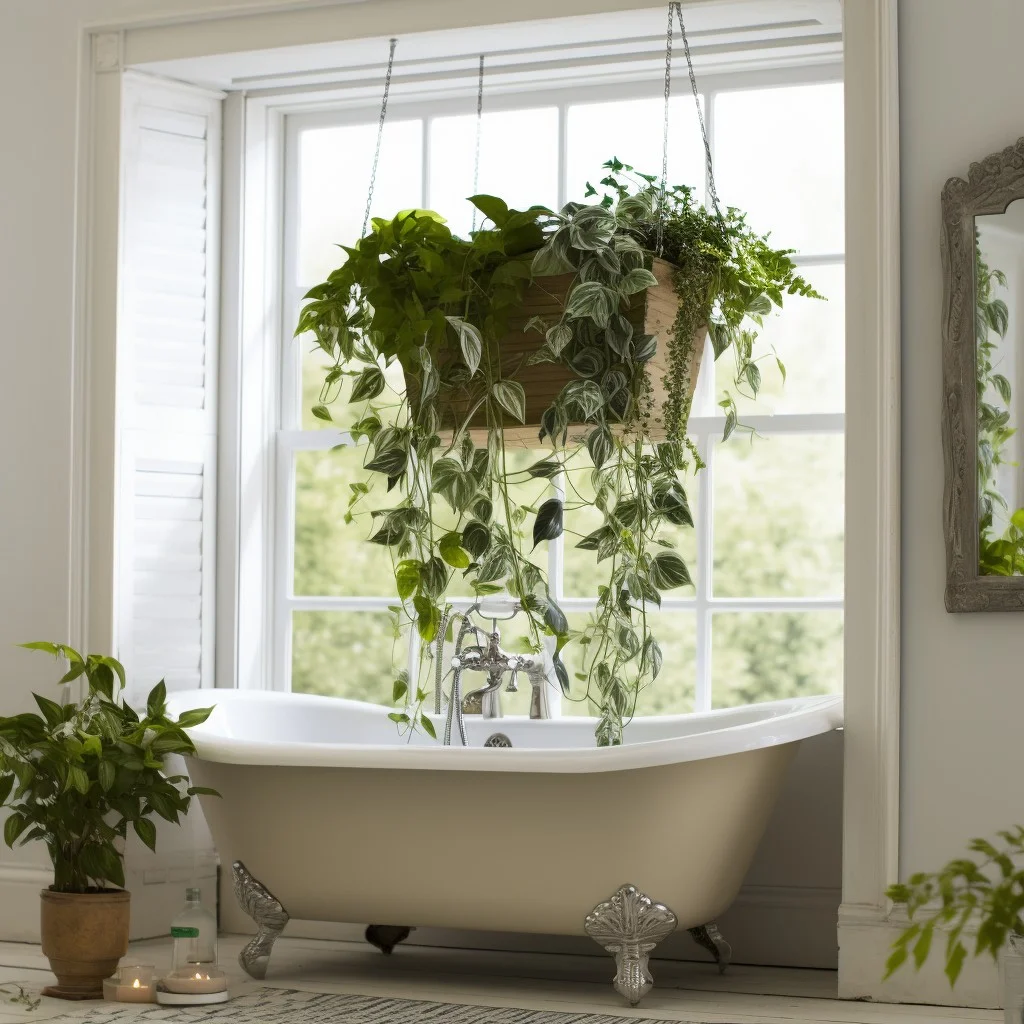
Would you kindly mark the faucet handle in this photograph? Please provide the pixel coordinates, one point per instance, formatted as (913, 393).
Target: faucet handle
(513, 686)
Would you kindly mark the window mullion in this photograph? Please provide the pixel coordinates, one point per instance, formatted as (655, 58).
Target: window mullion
(705, 557)
(425, 198)
(710, 96)
(563, 154)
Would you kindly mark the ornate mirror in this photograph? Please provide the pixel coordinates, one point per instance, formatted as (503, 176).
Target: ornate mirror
(983, 384)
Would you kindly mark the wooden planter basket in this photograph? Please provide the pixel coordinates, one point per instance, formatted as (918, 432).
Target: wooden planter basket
(651, 312)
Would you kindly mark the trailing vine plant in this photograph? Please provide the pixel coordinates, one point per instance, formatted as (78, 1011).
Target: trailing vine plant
(999, 554)
(439, 305)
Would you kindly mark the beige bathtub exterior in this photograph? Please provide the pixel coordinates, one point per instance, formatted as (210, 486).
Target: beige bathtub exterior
(508, 851)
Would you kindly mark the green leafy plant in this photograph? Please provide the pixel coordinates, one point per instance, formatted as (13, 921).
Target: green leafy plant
(440, 306)
(987, 894)
(76, 775)
(998, 554)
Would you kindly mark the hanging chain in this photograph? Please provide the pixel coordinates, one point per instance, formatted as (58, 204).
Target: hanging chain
(675, 7)
(380, 135)
(479, 132)
(664, 141)
(700, 114)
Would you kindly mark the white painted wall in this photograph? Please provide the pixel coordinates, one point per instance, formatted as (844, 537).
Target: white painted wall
(963, 702)
(39, 80)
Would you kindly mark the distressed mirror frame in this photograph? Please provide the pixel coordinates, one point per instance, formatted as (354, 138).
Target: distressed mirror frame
(990, 187)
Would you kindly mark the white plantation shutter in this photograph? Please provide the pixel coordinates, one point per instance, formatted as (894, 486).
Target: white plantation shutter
(167, 384)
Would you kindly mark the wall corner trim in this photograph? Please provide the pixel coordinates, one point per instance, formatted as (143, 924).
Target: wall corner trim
(871, 804)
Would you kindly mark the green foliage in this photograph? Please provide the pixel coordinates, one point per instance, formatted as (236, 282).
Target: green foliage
(77, 775)
(727, 278)
(988, 894)
(439, 305)
(998, 555)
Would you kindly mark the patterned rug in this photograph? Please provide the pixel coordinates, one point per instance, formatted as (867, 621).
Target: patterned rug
(276, 1006)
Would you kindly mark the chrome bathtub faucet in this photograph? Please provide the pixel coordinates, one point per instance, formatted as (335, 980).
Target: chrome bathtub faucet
(492, 660)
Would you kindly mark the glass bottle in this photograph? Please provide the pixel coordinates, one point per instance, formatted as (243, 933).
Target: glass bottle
(194, 932)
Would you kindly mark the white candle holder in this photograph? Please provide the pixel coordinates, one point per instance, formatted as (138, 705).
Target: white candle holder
(133, 983)
(193, 985)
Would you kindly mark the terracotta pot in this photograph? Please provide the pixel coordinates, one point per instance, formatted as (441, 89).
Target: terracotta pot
(84, 935)
(651, 312)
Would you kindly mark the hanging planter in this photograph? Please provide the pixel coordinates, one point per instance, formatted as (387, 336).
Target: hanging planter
(650, 312)
(580, 331)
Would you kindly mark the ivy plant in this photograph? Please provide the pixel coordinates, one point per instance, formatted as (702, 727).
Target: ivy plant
(76, 775)
(984, 895)
(439, 305)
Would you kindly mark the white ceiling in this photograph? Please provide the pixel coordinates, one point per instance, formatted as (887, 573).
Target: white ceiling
(722, 34)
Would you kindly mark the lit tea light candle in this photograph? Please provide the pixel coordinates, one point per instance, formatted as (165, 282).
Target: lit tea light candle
(196, 979)
(133, 983)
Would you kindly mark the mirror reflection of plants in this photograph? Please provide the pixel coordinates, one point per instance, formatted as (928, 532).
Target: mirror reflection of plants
(983, 896)
(441, 306)
(999, 554)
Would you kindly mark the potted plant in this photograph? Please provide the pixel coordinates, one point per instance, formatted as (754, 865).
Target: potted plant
(984, 897)
(75, 776)
(580, 332)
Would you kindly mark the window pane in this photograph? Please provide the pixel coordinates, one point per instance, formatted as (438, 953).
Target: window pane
(808, 335)
(672, 692)
(332, 557)
(778, 517)
(582, 573)
(758, 656)
(779, 157)
(518, 162)
(346, 654)
(334, 178)
(633, 131)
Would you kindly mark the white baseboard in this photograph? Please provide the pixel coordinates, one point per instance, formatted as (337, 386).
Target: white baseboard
(866, 935)
(767, 925)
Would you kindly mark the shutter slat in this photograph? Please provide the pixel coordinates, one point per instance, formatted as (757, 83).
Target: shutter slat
(169, 397)
(174, 485)
(169, 285)
(174, 122)
(169, 508)
(175, 584)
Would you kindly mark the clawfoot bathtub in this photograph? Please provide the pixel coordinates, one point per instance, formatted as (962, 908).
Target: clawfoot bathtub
(326, 814)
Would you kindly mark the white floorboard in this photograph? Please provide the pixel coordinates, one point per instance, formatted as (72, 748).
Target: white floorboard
(683, 991)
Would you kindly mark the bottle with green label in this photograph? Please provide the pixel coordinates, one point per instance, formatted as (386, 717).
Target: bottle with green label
(194, 932)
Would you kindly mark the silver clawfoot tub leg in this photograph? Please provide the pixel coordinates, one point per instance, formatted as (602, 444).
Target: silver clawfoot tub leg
(710, 938)
(630, 925)
(268, 913)
(386, 936)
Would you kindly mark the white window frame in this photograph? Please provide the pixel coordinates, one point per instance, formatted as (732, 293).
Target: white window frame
(704, 430)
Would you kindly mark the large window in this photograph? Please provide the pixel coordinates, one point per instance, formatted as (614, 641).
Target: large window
(764, 619)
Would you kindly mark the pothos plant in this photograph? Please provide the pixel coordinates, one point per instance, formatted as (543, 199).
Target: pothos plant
(439, 305)
(77, 775)
(998, 554)
(984, 896)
